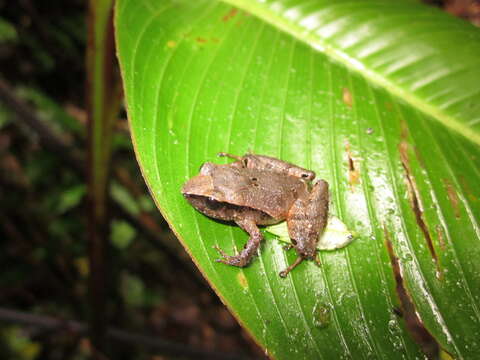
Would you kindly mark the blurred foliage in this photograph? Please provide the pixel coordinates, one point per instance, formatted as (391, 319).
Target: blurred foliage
(123, 234)
(7, 31)
(19, 345)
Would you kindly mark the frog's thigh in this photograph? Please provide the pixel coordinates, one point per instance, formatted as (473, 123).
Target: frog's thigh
(250, 247)
(308, 216)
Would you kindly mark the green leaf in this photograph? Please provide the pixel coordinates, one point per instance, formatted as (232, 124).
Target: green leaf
(7, 31)
(335, 236)
(122, 235)
(70, 197)
(379, 98)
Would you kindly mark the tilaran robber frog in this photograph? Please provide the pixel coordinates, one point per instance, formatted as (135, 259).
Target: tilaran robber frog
(262, 190)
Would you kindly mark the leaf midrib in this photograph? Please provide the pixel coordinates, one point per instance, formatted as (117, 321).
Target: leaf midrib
(322, 45)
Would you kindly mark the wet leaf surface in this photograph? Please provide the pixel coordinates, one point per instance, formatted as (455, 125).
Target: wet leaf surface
(385, 108)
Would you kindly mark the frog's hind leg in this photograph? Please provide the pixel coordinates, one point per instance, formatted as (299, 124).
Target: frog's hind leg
(250, 248)
(307, 219)
(267, 163)
(285, 272)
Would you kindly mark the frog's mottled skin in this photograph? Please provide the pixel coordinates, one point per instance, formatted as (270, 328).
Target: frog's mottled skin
(261, 190)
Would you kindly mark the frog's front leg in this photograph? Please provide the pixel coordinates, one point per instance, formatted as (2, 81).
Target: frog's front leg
(242, 259)
(306, 221)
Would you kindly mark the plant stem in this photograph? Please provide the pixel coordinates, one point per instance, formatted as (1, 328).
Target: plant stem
(120, 336)
(102, 109)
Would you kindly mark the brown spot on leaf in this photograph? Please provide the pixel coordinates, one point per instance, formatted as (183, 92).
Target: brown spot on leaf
(201, 40)
(242, 280)
(467, 189)
(453, 197)
(347, 97)
(413, 323)
(171, 43)
(415, 202)
(353, 170)
(230, 14)
(441, 238)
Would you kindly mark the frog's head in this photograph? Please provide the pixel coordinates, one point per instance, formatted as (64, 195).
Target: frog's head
(201, 193)
(200, 185)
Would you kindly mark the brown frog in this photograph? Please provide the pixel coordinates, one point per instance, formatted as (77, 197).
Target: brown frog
(262, 190)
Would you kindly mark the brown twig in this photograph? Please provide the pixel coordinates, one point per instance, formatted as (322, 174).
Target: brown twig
(119, 336)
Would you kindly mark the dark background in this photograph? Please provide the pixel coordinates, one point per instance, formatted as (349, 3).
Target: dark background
(154, 290)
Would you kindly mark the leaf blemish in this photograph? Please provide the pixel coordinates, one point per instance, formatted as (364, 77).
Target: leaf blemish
(413, 323)
(415, 202)
(441, 239)
(242, 280)
(452, 197)
(321, 315)
(201, 40)
(230, 15)
(466, 189)
(353, 170)
(347, 97)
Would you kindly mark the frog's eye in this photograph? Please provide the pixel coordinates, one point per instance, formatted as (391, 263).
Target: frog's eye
(245, 162)
(308, 175)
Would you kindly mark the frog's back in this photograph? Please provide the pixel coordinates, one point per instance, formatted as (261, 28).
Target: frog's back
(265, 191)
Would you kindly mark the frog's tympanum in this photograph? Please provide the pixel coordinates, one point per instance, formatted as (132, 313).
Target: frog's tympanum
(261, 190)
